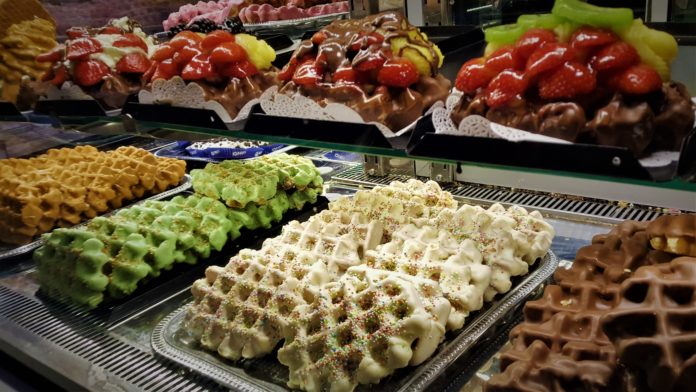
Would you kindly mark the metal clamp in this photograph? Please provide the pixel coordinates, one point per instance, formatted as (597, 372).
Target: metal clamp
(441, 172)
(376, 165)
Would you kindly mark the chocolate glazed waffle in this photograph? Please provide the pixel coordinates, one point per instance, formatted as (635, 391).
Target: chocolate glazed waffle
(653, 326)
(561, 346)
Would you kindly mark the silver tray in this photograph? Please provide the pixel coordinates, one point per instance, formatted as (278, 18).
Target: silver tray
(267, 374)
(296, 27)
(7, 251)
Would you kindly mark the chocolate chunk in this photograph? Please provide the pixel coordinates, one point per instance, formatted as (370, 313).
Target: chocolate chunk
(623, 124)
(563, 120)
(518, 113)
(675, 119)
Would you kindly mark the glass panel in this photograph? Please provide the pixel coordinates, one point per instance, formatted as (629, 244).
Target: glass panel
(682, 11)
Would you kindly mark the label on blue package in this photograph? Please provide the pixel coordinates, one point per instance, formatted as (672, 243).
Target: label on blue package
(342, 156)
(232, 153)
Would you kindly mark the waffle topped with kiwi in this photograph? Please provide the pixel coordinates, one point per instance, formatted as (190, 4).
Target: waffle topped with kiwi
(380, 66)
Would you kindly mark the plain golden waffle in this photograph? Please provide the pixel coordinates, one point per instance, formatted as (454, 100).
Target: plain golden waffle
(65, 186)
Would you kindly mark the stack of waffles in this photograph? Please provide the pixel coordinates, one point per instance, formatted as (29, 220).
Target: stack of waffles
(110, 256)
(621, 318)
(366, 287)
(66, 186)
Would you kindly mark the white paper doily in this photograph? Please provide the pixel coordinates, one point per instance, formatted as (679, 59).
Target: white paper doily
(176, 92)
(298, 106)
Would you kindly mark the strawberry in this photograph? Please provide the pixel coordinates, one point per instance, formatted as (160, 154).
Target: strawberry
(56, 54)
(591, 37)
(547, 57)
(473, 75)
(307, 73)
(504, 58)
(318, 38)
(166, 70)
(185, 54)
(286, 73)
(363, 40)
(130, 40)
(163, 52)
(568, 81)
(531, 40)
(185, 38)
(76, 32)
(639, 79)
(618, 55)
(110, 30)
(399, 72)
(60, 75)
(90, 72)
(81, 48)
(198, 68)
(348, 75)
(241, 69)
(228, 52)
(371, 62)
(504, 87)
(214, 39)
(147, 76)
(133, 63)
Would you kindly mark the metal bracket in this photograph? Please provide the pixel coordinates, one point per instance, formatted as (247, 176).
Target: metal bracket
(376, 165)
(442, 172)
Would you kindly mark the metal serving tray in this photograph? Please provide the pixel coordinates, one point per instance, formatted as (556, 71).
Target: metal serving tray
(7, 251)
(267, 374)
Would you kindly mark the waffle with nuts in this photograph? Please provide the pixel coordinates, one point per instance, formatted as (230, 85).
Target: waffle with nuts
(652, 326)
(65, 186)
(361, 328)
(674, 234)
(241, 310)
(434, 254)
(561, 341)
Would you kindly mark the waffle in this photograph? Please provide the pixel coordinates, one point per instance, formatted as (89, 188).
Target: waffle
(561, 338)
(652, 327)
(674, 234)
(509, 241)
(434, 254)
(294, 171)
(241, 310)
(398, 204)
(66, 186)
(361, 328)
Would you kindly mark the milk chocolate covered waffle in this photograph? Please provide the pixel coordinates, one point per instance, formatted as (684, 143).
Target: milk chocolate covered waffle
(231, 69)
(107, 63)
(604, 325)
(581, 73)
(674, 234)
(380, 66)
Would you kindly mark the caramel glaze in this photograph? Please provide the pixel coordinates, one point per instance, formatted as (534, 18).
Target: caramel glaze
(657, 121)
(394, 107)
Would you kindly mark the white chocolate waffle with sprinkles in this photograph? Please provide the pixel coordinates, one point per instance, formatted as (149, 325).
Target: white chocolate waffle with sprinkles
(398, 204)
(240, 310)
(505, 244)
(361, 328)
(435, 254)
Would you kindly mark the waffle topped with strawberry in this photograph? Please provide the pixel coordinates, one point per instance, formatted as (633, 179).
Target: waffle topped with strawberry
(380, 66)
(232, 69)
(581, 73)
(107, 62)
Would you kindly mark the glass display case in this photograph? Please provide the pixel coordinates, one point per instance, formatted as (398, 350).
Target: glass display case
(194, 247)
